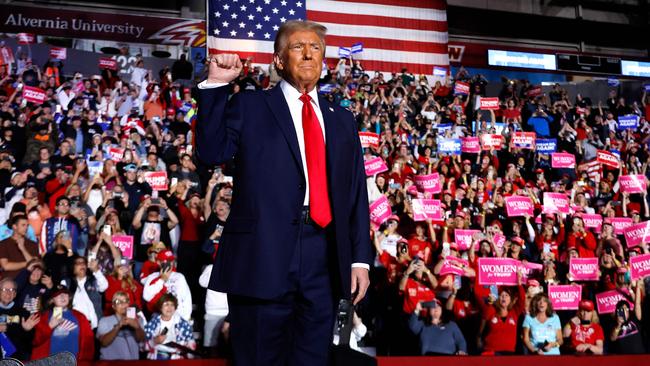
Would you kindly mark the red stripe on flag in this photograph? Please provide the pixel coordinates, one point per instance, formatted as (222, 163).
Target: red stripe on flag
(426, 4)
(388, 44)
(379, 21)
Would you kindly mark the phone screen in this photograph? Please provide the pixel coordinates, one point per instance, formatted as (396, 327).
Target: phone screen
(130, 312)
(57, 312)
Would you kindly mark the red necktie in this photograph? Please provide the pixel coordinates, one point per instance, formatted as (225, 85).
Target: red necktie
(319, 201)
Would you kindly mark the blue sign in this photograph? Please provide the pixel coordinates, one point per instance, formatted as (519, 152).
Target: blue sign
(443, 127)
(628, 122)
(449, 146)
(546, 146)
(344, 52)
(635, 68)
(357, 48)
(326, 88)
(526, 60)
(647, 88)
(613, 82)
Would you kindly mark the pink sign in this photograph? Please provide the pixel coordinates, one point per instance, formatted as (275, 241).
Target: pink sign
(426, 209)
(497, 271)
(523, 140)
(453, 265)
(58, 53)
(563, 160)
(632, 183)
(639, 266)
(490, 103)
(470, 145)
(530, 270)
(125, 244)
(620, 224)
(428, 183)
(606, 301)
(34, 95)
(490, 142)
(380, 210)
(519, 206)
(157, 180)
(107, 63)
(116, 153)
(369, 139)
(375, 166)
(583, 269)
(464, 238)
(637, 234)
(499, 241)
(565, 297)
(593, 221)
(556, 203)
(25, 38)
(607, 158)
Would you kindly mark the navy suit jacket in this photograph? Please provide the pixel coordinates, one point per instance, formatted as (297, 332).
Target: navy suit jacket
(260, 235)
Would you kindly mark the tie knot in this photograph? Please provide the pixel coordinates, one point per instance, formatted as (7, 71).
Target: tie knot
(305, 98)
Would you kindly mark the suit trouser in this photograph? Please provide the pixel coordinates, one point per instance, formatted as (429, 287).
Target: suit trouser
(295, 329)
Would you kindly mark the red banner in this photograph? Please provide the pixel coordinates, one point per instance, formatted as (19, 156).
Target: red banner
(470, 145)
(157, 180)
(523, 140)
(490, 142)
(25, 38)
(535, 91)
(58, 53)
(107, 63)
(607, 158)
(490, 103)
(34, 95)
(6, 56)
(369, 139)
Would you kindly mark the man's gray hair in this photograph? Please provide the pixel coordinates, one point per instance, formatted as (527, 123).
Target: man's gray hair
(292, 26)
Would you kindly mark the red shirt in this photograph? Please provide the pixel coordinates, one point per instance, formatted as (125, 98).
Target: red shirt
(585, 334)
(511, 113)
(392, 265)
(501, 334)
(414, 292)
(190, 225)
(420, 248)
(115, 285)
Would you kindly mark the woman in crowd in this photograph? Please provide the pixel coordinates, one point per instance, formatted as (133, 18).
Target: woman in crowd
(542, 329)
(165, 327)
(437, 336)
(121, 280)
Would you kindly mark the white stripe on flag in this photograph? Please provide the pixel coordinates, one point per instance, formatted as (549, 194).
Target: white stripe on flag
(377, 10)
(399, 34)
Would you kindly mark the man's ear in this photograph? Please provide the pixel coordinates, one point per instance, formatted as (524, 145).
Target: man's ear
(278, 61)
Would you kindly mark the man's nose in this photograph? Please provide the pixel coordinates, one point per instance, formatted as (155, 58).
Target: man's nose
(307, 53)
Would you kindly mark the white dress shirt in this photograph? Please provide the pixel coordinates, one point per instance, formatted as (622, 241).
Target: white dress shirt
(292, 96)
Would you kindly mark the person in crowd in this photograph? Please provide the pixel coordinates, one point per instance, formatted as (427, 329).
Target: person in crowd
(16, 322)
(151, 227)
(61, 221)
(120, 332)
(216, 312)
(87, 284)
(16, 251)
(437, 336)
(60, 260)
(541, 328)
(168, 326)
(627, 334)
(499, 326)
(583, 333)
(34, 286)
(121, 280)
(61, 328)
(168, 280)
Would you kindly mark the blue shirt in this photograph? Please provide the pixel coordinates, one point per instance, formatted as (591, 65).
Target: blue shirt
(63, 337)
(544, 332)
(540, 125)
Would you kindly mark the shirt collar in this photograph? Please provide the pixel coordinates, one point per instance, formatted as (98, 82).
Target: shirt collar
(292, 94)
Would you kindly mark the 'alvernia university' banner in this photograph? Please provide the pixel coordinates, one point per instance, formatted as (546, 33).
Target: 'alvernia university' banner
(106, 26)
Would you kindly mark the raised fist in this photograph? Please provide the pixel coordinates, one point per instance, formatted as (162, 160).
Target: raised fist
(223, 68)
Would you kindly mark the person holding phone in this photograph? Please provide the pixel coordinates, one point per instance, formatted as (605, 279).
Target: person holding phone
(87, 284)
(627, 334)
(167, 330)
(168, 280)
(62, 328)
(120, 332)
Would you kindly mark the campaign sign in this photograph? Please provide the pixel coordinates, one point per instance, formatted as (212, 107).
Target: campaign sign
(489, 141)
(107, 63)
(357, 48)
(530, 270)
(593, 221)
(34, 95)
(524, 140)
(375, 166)
(546, 146)
(519, 206)
(640, 266)
(607, 158)
(499, 241)
(369, 139)
(453, 265)
(632, 183)
(637, 234)
(25, 38)
(426, 209)
(449, 146)
(647, 87)
(563, 160)
(565, 297)
(556, 203)
(490, 103)
(428, 183)
(606, 301)
(534, 91)
(116, 153)
(620, 224)
(583, 269)
(628, 122)
(380, 210)
(157, 180)
(125, 244)
(470, 145)
(461, 88)
(95, 167)
(464, 238)
(6, 56)
(344, 52)
(58, 53)
(497, 271)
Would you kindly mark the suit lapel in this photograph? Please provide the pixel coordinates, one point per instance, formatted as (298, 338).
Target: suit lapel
(280, 109)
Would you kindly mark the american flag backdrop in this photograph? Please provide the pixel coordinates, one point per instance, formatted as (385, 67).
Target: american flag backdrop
(395, 34)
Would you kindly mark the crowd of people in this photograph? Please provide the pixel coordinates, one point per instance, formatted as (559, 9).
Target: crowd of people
(76, 183)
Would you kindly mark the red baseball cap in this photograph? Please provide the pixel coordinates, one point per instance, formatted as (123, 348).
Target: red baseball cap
(165, 255)
(586, 305)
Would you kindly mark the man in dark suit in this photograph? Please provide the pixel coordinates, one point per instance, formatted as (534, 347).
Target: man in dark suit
(297, 238)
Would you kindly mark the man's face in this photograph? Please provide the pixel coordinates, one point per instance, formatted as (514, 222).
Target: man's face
(120, 304)
(63, 207)
(303, 59)
(20, 227)
(8, 292)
